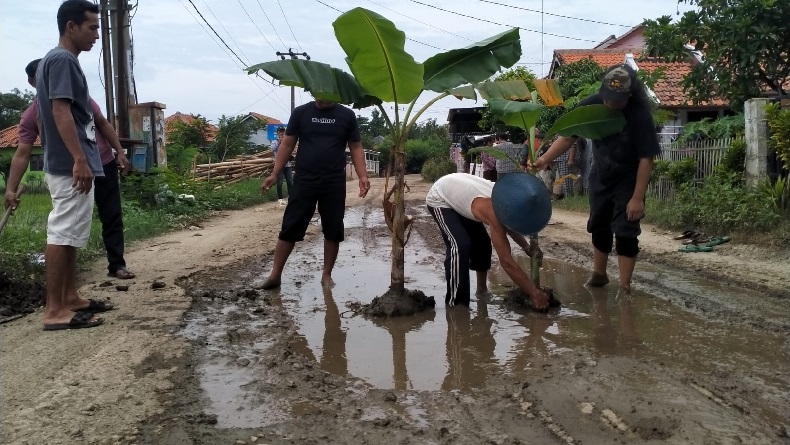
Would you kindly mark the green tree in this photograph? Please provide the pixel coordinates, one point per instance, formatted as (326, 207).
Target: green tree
(233, 136)
(576, 79)
(192, 134)
(745, 44)
(12, 105)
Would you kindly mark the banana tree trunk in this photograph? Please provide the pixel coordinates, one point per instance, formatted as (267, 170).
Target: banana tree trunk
(397, 283)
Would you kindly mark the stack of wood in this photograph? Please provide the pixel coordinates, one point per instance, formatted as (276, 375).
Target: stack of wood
(236, 169)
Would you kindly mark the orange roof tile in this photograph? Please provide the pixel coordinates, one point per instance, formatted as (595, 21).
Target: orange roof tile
(269, 120)
(603, 57)
(670, 88)
(187, 119)
(10, 137)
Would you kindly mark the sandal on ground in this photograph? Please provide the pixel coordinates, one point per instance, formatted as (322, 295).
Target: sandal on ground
(80, 320)
(716, 240)
(695, 248)
(685, 234)
(697, 238)
(96, 306)
(122, 273)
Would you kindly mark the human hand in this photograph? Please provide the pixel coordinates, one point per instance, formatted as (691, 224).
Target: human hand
(124, 166)
(82, 177)
(11, 200)
(364, 186)
(268, 183)
(539, 164)
(528, 249)
(635, 209)
(540, 301)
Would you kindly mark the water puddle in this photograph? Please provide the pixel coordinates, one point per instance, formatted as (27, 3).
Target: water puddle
(455, 349)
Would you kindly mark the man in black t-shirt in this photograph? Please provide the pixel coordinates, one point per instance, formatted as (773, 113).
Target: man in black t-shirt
(323, 130)
(620, 173)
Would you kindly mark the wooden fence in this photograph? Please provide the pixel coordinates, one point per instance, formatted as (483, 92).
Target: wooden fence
(707, 155)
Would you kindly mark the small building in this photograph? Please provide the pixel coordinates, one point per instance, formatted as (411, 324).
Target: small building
(265, 135)
(9, 140)
(464, 122)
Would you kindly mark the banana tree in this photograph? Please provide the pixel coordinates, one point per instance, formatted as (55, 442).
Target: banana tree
(515, 105)
(384, 72)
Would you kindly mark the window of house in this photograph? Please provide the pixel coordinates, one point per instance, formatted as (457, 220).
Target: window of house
(37, 163)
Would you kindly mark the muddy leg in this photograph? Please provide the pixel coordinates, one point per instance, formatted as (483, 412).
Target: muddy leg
(482, 284)
(599, 277)
(330, 256)
(281, 254)
(61, 272)
(626, 266)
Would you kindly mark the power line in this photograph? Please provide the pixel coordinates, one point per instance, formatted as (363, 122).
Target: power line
(226, 30)
(270, 22)
(415, 41)
(555, 15)
(256, 25)
(500, 24)
(215, 32)
(289, 26)
(420, 21)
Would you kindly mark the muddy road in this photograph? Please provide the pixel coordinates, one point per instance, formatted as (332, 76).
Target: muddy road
(698, 354)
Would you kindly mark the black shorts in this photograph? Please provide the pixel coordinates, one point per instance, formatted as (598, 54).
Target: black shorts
(330, 198)
(608, 203)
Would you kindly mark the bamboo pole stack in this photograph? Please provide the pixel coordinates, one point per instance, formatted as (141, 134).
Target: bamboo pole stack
(236, 169)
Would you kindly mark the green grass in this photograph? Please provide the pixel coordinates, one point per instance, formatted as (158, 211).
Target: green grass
(25, 234)
(574, 204)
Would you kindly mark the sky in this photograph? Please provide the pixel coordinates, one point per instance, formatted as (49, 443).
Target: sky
(179, 61)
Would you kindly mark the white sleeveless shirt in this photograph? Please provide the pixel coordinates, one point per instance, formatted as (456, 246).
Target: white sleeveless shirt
(457, 191)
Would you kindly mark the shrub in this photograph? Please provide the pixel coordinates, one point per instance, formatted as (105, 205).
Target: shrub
(779, 126)
(435, 168)
(179, 158)
(734, 160)
(420, 150)
(682, 171)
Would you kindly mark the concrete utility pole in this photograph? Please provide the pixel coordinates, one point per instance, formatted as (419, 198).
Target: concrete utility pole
(124, 95)
(294, 56)
(107, 61)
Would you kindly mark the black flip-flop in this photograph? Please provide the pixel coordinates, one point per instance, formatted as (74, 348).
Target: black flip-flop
(685, 234)
(80, 320)
(96, 306)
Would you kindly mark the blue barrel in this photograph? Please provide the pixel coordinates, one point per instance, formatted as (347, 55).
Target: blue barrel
(521, 202)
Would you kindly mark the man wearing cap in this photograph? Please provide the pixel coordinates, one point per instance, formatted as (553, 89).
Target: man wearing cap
(621, 169)
(462, 206)
(287, 173)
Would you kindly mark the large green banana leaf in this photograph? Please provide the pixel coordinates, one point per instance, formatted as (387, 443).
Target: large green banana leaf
(472, 64)
(464, 92)
(376, 56)
(590, 121)
(505, 89)
(319, 79)
(517, 114)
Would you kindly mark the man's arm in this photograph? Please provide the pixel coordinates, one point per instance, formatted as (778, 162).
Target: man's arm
(560, 146)
(482, 209)
(358, 159)
(635, 210)
(19, 165)
(106, 130)
(82, 177)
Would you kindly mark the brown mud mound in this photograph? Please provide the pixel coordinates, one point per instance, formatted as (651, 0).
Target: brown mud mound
(394, 304)
(19, 297)
(515, 299)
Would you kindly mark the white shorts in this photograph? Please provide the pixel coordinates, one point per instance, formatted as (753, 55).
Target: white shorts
(69, 222)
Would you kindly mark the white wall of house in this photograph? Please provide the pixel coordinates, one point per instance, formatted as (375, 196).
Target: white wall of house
(260, 138)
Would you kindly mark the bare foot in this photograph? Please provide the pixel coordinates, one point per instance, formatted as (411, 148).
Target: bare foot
(271, 283)
(484, 295)
(327, 282)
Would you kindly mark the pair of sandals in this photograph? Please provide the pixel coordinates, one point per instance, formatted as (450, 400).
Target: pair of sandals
(699, 242)
(84, 318)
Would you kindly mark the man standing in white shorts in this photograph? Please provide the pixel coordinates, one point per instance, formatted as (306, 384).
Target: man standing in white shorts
(71, 160)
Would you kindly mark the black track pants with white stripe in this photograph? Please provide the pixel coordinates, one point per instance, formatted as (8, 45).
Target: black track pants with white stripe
(468, 248)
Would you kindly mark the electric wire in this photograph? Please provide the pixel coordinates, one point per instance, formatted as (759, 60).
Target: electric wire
(555, 15)
(255, 24)
(289, 26)
(270, 22)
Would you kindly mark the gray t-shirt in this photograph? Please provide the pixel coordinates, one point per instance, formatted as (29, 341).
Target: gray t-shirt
(60, 76)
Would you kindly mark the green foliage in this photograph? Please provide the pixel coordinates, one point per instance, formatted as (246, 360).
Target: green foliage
(744, 42)
(518, 73)
(5, 165)
(179, 158)
(435, 168)
(577, 80)
(682, 171)
(707, 128)
(779, 129)
(734, 160)
(778, 193)
(233, 137)
(193, 134)
(12, 105)
(429, 129)
(589, 121)
(490, 121)
(420, 150)
(720, 205)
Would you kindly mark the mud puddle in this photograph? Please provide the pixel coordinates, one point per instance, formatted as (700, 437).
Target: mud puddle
(457, 351)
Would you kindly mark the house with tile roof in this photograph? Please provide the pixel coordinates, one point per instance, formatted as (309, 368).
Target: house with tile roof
(9, 140)
(264, 136)
(668, 91)
(178, 116)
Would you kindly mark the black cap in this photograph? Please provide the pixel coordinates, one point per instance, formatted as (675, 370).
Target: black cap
(280, 129)
(31, 68)
(618, 83)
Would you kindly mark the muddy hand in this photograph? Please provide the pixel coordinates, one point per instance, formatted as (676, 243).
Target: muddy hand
(540, 301)
(364, 187)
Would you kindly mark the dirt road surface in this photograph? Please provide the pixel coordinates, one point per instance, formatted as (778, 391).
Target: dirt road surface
(698, 355)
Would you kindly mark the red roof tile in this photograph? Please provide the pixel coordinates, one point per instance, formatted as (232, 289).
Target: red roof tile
(10, 137)
(603, 57)
(269, 120)
(187, 119)
(670, 88)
